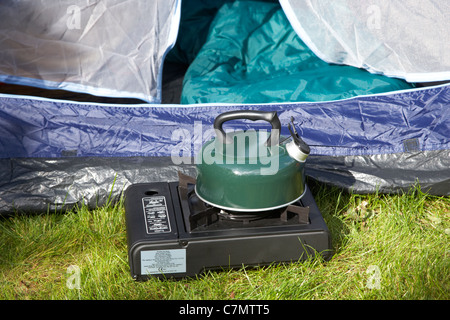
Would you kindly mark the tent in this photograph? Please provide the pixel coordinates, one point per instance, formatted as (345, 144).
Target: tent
(97, 95)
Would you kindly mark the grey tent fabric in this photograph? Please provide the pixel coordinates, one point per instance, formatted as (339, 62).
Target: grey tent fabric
(407, 39)
(109, 48)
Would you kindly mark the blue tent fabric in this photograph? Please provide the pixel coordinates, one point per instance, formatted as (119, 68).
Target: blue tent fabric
(364, 125)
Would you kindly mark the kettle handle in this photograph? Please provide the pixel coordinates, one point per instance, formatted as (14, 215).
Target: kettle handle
(270, 117)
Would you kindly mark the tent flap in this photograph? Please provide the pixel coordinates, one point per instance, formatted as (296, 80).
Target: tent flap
(111, 48)
(404, 39)
(262, 60)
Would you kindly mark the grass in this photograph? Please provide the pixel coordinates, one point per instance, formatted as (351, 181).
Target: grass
(386, 247)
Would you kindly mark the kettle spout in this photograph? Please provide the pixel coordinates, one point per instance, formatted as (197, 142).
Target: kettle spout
(297, 148)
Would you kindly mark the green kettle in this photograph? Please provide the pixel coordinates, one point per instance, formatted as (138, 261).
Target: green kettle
(252, 170)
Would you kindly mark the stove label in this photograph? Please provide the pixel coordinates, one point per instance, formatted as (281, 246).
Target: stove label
(156, 215)
(163, 261)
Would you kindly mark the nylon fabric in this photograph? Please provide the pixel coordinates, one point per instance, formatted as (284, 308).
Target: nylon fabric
(415, 120)
(407, 39)
(111, 48)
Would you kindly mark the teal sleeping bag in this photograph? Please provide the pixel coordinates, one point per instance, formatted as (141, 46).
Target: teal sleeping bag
(253, 55)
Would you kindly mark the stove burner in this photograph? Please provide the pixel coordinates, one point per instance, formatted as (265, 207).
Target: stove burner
(199, 214)
(244, 217)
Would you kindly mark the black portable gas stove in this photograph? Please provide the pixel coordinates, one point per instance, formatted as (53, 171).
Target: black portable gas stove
(172, 233)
